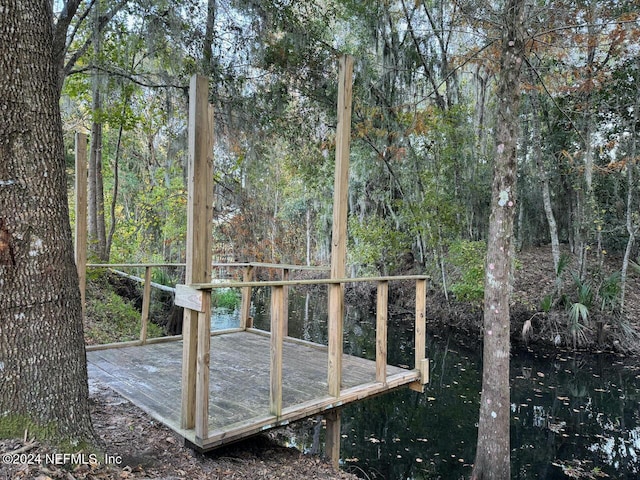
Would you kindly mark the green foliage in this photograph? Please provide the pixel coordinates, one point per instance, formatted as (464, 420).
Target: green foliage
(584, 292)
(113, 318)
(563, 263)
(227, 298)
(376, 246)
(546, 303)
(468, 258)
(578, 322)
(609, 292)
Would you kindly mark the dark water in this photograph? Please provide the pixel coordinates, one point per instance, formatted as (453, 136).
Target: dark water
(573, 415)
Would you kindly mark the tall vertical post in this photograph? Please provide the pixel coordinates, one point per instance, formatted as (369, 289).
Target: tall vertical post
(382, 313)
(146, 303)
(197, 325)
(81, 215)
(339, 252)
(277, 338)
(245, 308)
(285, 315)
(339, 230)
(421, 362)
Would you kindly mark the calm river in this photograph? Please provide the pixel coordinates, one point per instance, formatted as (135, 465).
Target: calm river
(572, 415)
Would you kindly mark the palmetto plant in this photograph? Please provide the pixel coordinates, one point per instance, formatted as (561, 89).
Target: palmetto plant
(579, 312)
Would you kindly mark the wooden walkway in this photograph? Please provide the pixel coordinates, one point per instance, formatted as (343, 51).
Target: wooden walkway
(150, 377)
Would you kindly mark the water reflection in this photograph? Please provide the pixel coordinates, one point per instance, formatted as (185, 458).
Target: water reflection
(573, 415)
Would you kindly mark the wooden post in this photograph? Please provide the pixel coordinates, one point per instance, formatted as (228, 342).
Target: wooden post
(202, 371)
(339, 232)
(421, 321)
(285, 302)
(146, 301)
(421, 362)
(196, 325)
(245, 308)
(381, 331)
(332, 441)
(277, 337)
(81, 215)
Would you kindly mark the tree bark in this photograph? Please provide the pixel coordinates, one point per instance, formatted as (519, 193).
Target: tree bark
(43, 370)
(631, 214)
(544, 181)
(493, 448)
(96, 222)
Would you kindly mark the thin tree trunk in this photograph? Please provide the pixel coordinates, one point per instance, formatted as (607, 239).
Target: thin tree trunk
(493, 451)
(544, 181)
(43, 370)
(114, 199)
(632, 227)
(95, 194)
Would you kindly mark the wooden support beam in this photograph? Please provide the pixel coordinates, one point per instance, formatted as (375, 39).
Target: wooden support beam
(146, 302)
(421, 362)
(421, 322)
(189, 366)
(81, 215)
(332, 441)
(285, 301)
(245, 308)
(277, 338)
(339, 231)
(196, 325)
(382, 309)
(202, 371)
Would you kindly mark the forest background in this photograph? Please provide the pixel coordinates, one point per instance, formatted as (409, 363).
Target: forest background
(422, 142)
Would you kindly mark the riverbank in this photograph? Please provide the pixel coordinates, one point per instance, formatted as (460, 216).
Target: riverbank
(143, 448)
(540, 315)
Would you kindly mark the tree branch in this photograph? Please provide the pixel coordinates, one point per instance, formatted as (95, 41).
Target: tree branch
(129, 76)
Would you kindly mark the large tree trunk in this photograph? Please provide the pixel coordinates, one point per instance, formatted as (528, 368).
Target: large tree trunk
(493, 448)
(43, 371)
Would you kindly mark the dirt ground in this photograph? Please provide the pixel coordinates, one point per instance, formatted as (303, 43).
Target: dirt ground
(140, 447)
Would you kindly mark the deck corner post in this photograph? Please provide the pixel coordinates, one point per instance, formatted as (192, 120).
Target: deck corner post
(421, 322)
(197, 325)
(202, 371)
(339, 227)
(382, 309)
(277, 338)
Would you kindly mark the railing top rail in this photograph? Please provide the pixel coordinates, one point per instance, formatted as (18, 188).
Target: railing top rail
(134, 265)
(214, 264)
(318, 281)
(318, 268)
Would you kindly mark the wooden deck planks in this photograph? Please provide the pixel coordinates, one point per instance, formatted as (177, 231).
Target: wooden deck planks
(149, 376)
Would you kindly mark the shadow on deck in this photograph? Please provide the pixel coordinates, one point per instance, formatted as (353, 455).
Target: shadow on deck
(150, 377)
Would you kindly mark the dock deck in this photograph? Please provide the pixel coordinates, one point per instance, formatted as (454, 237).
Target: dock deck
(150, 377)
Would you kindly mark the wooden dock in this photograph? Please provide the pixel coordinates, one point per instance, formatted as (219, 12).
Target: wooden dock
(239, 388)
(220, 388)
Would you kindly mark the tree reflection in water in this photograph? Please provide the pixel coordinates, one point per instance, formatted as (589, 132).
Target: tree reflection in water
(571, 413)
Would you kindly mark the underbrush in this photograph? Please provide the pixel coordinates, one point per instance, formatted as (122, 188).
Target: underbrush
(111, 317)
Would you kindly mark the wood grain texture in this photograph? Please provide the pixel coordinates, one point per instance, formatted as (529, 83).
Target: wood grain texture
(239, 388)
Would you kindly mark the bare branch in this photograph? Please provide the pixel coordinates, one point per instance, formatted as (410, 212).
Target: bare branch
(135, 78)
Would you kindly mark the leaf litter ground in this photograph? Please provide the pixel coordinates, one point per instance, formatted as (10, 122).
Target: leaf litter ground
(147, 449)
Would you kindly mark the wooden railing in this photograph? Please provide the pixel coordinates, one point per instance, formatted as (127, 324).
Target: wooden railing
(248, 269)
(146, 298)
(196, 297)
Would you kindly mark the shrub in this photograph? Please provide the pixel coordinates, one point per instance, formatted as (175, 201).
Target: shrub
(468, 258)
(227, 298)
